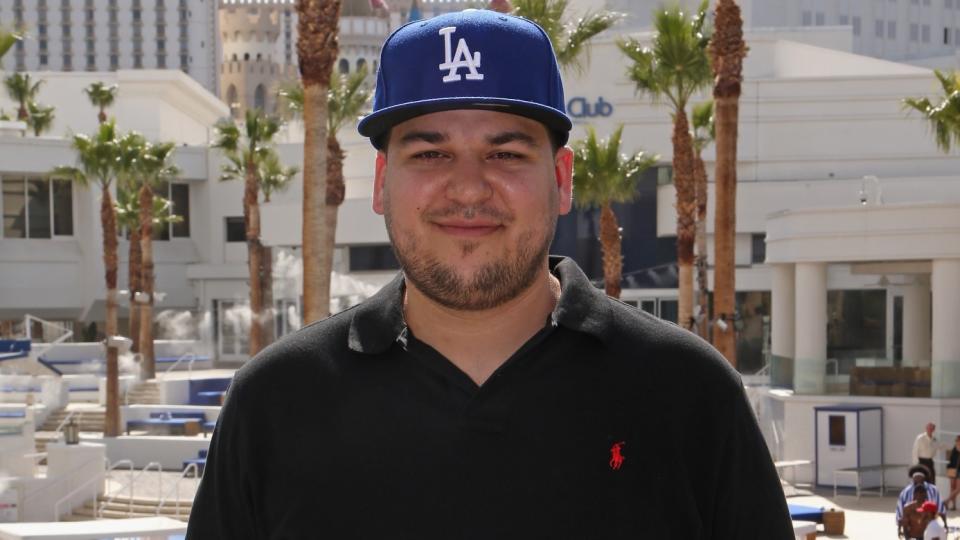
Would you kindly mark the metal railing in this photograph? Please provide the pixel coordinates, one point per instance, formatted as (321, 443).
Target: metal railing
(193, 358)
(98, 510)
(183, 476)
(65, 333)
(133, 480)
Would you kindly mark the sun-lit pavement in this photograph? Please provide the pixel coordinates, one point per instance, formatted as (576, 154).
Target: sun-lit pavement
(868, 518)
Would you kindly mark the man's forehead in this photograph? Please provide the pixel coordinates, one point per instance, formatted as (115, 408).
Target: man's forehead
(466, 124)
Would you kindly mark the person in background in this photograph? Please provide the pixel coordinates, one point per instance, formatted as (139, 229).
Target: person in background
(914, 520)
(934, 530)
(925, 447)
(918, 477)
(952, 465)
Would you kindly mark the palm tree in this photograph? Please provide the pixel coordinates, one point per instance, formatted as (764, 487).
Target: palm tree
(944, 114)
(22, 90)
(602, 176)
(39, 118)
(155, 167)
(317, 50)
(570, 39)
(274, 176)
(7, 40)
(703, 133)
(348, 96)
(130, 152)
(727, 51)
(244, 152)
(101, 96)
(676, 67)
(96, 163)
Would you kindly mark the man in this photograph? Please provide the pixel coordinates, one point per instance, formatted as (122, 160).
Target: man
(929, 493)
(488, 392)
(925, 448)
(915, 517)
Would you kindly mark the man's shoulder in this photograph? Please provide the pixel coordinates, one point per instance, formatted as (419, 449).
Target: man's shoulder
(664, 347)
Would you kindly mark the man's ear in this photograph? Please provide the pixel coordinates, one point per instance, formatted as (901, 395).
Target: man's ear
(378, 181)
(563, 171)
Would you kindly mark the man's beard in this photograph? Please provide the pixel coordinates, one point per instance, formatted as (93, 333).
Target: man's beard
(491, 285)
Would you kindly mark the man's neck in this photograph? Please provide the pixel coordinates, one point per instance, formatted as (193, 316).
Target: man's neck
(478, 342)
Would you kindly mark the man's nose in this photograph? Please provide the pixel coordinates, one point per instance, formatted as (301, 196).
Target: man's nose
(468, 183)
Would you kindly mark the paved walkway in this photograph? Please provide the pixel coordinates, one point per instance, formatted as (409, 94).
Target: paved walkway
(869, 518)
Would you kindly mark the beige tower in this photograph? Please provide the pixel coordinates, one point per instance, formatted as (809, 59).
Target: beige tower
(259, 40)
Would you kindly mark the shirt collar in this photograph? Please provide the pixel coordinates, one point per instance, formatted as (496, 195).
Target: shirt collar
(378, 322)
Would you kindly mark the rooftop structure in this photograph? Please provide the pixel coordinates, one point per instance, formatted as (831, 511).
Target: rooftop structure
(111, 35)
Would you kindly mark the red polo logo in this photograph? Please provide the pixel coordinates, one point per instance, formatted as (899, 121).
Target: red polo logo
(616, 458)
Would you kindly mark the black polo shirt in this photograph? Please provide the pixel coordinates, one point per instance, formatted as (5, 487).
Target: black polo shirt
(608, 423)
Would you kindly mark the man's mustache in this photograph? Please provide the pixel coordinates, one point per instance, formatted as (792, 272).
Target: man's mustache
(470, 212)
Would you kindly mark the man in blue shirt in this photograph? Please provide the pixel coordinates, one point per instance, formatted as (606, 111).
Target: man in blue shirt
(918, 475)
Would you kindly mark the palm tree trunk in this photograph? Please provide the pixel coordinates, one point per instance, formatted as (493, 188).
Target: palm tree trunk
(108, 222)
(317, 50)
(148, 369)
(133, 285)
(335, 194)
(703, 295)
(266, 283)
(610, 244)
(686, 214)
(251, 220)
(728, 50)
(102, 117)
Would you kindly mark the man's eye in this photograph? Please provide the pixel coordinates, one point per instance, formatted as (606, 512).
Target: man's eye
(428, 155)
(506, 156)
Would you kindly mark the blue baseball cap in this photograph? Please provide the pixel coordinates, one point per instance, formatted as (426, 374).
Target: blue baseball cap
(471, 59)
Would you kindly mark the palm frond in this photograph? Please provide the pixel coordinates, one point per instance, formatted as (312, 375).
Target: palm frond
(574, 53)
(942, 116)
(347, 98)
(602, 174)
(7, 40)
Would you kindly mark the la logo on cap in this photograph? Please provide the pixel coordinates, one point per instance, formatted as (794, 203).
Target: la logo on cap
(463, 58)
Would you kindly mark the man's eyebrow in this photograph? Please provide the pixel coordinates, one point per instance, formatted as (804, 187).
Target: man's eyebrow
(432, 137)
(510, 136)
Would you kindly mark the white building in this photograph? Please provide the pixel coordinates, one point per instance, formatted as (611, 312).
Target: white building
(110, 35)
(923, 32)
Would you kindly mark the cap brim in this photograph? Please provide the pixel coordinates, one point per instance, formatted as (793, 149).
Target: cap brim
(376, 124)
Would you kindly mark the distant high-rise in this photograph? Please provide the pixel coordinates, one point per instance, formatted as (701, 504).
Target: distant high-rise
(107, 35)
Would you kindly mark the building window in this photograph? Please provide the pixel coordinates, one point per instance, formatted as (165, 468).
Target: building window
(855, 22)
(67, 62)
(344, 66)
(948, 3)
(179, 197)
(236, 232)
(844, 20)
(138, 61)
(914, 32)
(956, 36)
(260, 98)
(878, 29)
(758, 252)
(361, 63)
(946, 36)
(27, 205)
(925, 33)
(91, 62)
(162, 61)
(807, 18)
(371, 258)
(820, 19)
(891, 29)
(114, 62)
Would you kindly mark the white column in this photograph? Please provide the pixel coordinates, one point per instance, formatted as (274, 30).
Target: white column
(782, 317)
(916, 323)
(810, 358)
(945, 284)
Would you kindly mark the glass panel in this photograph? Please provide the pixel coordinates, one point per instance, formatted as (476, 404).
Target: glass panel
(38, 208)
(235, 229)
(62, 208)
(856, 326)
(14, 208)
(180, 196)
(668, 310)
(838, 430)
(372, 258)
(898, 330)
